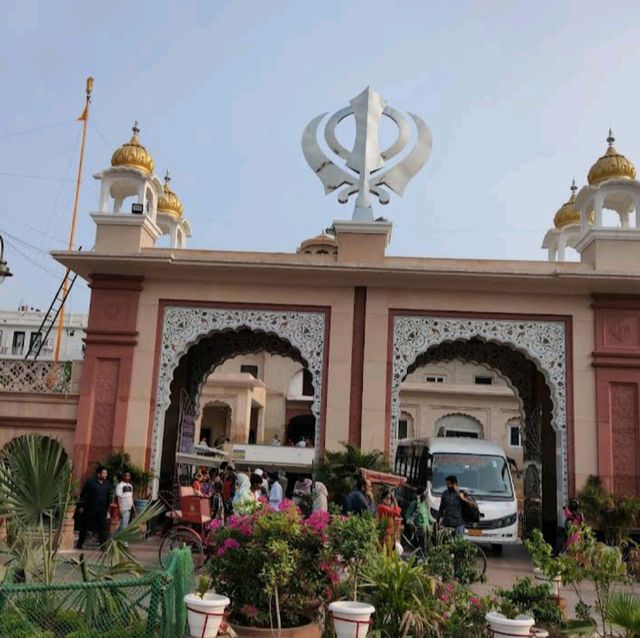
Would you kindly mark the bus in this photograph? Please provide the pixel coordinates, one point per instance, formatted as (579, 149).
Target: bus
(483, 471)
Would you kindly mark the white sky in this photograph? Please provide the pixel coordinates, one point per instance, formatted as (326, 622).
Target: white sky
(518, 96)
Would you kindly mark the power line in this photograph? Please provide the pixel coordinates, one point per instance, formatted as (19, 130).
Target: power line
(35, 129)
(51, 273)
(41, 177)
(34, 229)
(24, 243)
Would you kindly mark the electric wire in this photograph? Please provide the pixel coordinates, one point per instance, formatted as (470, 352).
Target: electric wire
(35, 129)
(18, 250)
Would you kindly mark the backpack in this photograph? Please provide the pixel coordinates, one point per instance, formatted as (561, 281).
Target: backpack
(470, 513)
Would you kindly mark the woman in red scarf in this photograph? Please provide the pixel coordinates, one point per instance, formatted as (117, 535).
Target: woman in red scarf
(389, 513)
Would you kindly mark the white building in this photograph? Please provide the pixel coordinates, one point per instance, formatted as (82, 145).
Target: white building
(20, 328)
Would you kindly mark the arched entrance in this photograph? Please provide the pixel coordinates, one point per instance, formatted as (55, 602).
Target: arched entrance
(195, 340)
(532, 356)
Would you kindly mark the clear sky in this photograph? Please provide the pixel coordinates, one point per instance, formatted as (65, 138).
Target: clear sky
(518, 96)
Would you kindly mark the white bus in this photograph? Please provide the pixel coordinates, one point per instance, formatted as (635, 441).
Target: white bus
(483, 472)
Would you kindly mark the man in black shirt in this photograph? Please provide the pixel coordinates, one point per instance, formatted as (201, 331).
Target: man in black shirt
(360, 500)
(94, 506)
(450, 512)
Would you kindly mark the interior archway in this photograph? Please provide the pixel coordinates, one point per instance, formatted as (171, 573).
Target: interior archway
(199, 363)
(538, 437)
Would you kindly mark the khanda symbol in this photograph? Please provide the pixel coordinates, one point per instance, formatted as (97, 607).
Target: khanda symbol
(363, 172)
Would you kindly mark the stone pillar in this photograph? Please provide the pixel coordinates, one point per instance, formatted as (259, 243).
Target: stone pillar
(106, 376)
(617, 362)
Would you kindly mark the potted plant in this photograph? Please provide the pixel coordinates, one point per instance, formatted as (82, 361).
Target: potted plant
(205, 610)
(276, 568)
(141, 481)
(354, 539)
(547, 568)
(507, 621)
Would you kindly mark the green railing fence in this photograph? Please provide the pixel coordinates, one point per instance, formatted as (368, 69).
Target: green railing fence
(149, 606)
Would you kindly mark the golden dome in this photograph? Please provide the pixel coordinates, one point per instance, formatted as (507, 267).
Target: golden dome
(611, 165)
(170, 202)
(567, 213)
(133, 154)
(322, 244)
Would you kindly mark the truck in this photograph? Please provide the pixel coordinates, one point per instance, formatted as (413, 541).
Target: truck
(483, 471)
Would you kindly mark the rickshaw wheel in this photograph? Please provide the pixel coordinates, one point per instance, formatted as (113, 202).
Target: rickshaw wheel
(179, 537)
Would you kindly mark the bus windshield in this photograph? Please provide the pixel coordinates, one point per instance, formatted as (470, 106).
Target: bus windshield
(480, 475)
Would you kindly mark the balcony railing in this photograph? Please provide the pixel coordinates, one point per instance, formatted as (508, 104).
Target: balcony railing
(45, 377)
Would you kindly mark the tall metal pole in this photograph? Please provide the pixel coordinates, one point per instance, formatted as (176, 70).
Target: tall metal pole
(84, 118)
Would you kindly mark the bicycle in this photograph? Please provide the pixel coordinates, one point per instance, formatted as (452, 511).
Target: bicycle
(466, 555)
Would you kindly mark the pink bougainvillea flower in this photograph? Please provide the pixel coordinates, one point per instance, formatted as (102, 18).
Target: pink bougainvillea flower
(216, 523)
(475, 601)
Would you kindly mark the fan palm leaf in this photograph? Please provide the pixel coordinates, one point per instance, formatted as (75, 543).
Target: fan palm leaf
(624, 612)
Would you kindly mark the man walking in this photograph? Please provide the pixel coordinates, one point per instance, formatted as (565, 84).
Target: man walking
(94, 506)
(124, 494)
(450, 512)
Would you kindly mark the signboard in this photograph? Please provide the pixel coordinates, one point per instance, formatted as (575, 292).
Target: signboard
(187, 432)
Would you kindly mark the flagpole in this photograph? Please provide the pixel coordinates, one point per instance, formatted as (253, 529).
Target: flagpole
(65, 286)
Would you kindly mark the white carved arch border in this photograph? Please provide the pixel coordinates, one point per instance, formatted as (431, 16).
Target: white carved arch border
(543, 342)
(184, 326)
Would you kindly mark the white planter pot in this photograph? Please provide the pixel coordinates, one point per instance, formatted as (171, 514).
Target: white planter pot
(554, 582)
(350, 618)
(205, 614)
(503, 627)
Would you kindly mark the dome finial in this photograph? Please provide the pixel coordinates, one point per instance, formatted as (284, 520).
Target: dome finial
(167, 178)
(135, 128)
(610, 139)
(573, 187)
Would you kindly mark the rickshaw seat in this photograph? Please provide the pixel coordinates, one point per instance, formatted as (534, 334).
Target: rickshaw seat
(195, 509)
(186, 490)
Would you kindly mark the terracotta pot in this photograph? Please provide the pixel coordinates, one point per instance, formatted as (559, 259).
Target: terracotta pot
(312, 630)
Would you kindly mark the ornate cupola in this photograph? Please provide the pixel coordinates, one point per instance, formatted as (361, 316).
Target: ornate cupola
(129, 196)
(567, 228)
(322, 244)
(171, 219)
(133, 154)
(612, 185)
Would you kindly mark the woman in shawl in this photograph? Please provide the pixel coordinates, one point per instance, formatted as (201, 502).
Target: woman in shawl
(320, 497)
(244, 501)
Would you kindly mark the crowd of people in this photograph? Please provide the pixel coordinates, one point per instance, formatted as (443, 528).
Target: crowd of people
(416, 516)
(231, 491)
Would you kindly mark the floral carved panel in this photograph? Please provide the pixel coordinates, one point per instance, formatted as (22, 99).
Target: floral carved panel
(625, 435)
(185, 326)
(541, 342)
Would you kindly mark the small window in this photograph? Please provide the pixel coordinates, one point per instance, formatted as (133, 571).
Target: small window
(252, 370)
(515, 436)
(434, 378)
(17, 345)
(35, 341)
(403, 427)
(484, 380)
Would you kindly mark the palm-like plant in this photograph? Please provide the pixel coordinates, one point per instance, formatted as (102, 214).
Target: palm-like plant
(35, 492)
(612, 514)
(338, 470)
(403, 594)
(624, 613)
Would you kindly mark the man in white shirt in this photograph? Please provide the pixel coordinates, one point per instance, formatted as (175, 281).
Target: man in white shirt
(124, 494)
(276, 440)
(276, 494)
(301, 442)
